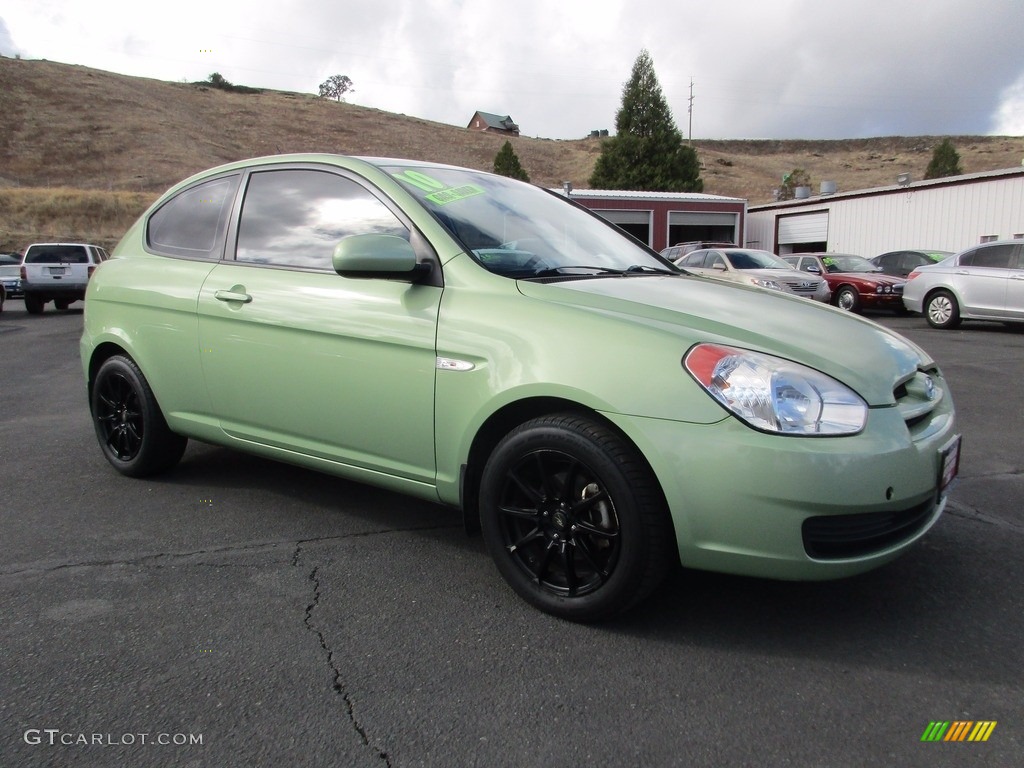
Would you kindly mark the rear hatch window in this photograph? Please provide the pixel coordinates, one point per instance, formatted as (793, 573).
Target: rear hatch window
(57, 254)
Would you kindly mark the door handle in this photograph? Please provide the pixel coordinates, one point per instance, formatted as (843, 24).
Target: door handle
(244, 298)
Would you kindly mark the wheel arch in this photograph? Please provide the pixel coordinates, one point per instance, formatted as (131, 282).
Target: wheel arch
(941, 289)
(100, 355)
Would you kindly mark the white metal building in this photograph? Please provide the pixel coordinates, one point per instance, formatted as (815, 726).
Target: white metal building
(947, 214)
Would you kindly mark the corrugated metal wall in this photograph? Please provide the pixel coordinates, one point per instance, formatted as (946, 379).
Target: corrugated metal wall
(949, 217)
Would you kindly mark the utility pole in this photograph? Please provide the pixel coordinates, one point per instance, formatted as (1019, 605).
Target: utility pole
(690, 112)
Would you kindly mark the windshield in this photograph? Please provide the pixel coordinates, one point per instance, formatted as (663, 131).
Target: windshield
(845, 262)
(522, 231)
(755, 260)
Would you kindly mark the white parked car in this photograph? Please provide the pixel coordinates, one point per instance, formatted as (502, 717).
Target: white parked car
(58, 272)
(750, 266)
(984, 282)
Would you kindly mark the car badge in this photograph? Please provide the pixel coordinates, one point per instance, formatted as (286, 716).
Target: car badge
(805, 284)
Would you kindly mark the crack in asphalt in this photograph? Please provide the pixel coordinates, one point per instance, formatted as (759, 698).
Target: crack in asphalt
(338, 685)
(181, 558)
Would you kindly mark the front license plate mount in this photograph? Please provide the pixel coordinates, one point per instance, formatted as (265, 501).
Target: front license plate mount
(949, 465)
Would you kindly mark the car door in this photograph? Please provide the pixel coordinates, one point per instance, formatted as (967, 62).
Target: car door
(981, 278)
(1015, 288)
(298, 358)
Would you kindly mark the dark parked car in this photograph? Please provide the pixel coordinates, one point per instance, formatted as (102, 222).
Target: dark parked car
(855, 282)
(902, 263)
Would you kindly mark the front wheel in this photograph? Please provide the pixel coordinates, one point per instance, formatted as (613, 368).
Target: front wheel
(130, 427)
(848, 300)
(942, 311)
(573, 518)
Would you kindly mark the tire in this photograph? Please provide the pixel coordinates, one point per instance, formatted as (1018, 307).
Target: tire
(61, 304)
(130, 427)
(942, 310)
(34, 305)
(573, 518)
(848, 299)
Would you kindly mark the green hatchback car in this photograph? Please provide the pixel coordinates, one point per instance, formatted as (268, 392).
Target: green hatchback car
(601, 416)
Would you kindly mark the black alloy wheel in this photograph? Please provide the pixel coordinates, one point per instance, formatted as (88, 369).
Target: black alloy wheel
(573, 519)
(131, 430)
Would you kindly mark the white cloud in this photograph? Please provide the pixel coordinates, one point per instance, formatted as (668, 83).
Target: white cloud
(785, 69)
(1009, 118)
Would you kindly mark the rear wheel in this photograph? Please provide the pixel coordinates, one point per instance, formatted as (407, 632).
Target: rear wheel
(942, 310)
(34, 305)
(61, 304)
(573, 518)
(130, 427)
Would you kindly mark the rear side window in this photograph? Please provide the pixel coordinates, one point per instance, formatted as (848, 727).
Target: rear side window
(695, 259)
(57, 254)
(993, 257)
(193, 223)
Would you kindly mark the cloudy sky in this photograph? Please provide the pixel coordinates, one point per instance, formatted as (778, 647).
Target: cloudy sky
(781, 69)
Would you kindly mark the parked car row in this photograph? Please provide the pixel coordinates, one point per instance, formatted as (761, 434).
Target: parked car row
(983, 282)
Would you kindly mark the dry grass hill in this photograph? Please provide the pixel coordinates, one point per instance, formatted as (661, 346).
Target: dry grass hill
(83, 151)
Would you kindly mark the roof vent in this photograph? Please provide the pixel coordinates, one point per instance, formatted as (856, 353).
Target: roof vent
(802, 193)
(903, 179)
(828, 187)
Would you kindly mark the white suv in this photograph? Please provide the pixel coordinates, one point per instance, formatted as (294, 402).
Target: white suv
(57, 272)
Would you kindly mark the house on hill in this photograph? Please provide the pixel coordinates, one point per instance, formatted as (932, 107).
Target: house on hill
(485, 121)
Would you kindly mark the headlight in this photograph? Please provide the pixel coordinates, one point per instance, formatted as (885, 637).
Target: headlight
(764, 283)
(776, 395)
(883, 289)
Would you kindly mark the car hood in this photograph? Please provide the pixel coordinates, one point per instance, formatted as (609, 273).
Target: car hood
(780, 274)
(862, 354)
(870, 277)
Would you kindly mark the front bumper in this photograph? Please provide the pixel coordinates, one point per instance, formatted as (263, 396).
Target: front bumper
(756, 504)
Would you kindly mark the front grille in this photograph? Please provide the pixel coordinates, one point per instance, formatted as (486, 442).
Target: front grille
(898, 289)
(837, 537)
(803, 287)
(917, 397)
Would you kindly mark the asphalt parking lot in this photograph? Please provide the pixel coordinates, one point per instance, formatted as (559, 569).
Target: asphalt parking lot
(237, 612)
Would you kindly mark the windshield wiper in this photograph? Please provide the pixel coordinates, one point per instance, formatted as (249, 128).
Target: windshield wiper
(584, 269)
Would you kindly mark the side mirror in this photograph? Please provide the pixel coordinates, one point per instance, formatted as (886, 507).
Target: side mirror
(719, 266)
(387, 257)
(813, 269)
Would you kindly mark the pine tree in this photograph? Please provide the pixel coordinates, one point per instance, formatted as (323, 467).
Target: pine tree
(506, 163)
(945, 162)
(647, 152)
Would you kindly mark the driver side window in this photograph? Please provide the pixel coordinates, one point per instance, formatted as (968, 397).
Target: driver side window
(296, 217)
